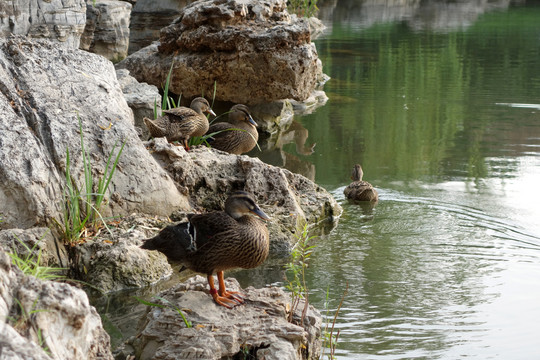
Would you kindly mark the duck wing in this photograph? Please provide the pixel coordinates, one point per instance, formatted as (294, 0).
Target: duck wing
(180, 114)
(211, 227)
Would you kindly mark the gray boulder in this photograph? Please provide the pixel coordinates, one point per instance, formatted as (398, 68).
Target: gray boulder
(61, 21)
(141, 98)
(254, 51)
(113, 261)
(44, 319)
(107, 28)
(258, 328)
(45, 90)
(149, 17)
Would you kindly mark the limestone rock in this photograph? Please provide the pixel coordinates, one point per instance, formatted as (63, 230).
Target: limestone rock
(258, 327)
(113, 261)
(141, 98)
(61, 319)
(149, 17)
(107, 28)
(45, 90)
(291, 200)
(61, 21)
(254, 51)
(42, 243)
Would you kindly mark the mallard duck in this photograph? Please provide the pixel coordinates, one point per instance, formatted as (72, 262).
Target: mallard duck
(181, 123)
(360, 190)
(217, 241)
(235, 141)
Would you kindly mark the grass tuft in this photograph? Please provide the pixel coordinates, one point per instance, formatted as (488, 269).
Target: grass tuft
(305, 8)
(81, 209)
(30, 264)
(169, 305)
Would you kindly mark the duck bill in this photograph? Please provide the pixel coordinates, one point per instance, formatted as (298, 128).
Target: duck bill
(252, 122)
(210, 111)
(260, 214)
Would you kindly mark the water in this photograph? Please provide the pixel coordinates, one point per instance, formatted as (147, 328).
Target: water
(443, 112)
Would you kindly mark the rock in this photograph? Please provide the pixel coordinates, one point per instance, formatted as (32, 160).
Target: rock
(61, 21)
(141, 98)
(45, 90)
(113, 261)
(258, 328)
(42, 243)
(38, 318)
(291, 200)
(107, 28)
(254, 52)
(149, 17)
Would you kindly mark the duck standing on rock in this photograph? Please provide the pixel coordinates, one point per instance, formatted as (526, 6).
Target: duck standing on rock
(181, 123)
(231, 140)
(360, 190)
(217, 241)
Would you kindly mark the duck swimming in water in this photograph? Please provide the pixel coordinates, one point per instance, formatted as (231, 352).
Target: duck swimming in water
(360, 190)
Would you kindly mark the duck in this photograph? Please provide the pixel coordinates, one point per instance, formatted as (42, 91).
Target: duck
(181, 123)
(360, 190)
(217, 241)
(223, 137)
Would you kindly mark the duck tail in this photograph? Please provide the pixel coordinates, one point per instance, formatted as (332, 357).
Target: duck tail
(175, 241)
(156, 130)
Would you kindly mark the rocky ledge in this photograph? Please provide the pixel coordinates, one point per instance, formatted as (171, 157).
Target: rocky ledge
(257, 329)
(255, 52)
(45, 319)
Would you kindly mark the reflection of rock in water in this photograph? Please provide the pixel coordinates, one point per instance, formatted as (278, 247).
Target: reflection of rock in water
(419, 15)
(149, 17)
(273, 150)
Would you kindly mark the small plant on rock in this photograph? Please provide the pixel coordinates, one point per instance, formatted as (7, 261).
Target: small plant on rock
(305, 8)
(169, 305)
(296, 267)
(25, 321)
(31, 263)
(82, 208)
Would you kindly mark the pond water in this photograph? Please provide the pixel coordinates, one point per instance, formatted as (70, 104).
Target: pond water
(441, 106)
(440, 103)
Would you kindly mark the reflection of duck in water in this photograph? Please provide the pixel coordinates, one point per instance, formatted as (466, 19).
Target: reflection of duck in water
(217, 241)
(181, 123)
(360, 190)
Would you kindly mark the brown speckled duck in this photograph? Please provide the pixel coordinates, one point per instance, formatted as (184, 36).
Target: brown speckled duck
(181, 123)
(235, 141)
(217, 241)
(360, 190)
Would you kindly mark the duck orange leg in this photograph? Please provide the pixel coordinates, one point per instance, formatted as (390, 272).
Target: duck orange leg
(234, 295)
(220, 300)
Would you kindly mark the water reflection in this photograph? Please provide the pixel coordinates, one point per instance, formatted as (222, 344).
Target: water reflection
(442, 113)
(440, 16)
(273, 150)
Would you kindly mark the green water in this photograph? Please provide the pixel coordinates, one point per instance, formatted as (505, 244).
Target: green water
(446, 124)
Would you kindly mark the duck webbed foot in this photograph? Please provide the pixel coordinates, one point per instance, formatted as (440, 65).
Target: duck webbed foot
(229, 299)
(233, 295)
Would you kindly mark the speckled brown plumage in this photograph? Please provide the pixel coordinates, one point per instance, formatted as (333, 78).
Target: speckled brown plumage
(235, 141)
(360, 190)
(217, 241)
(181, 123)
